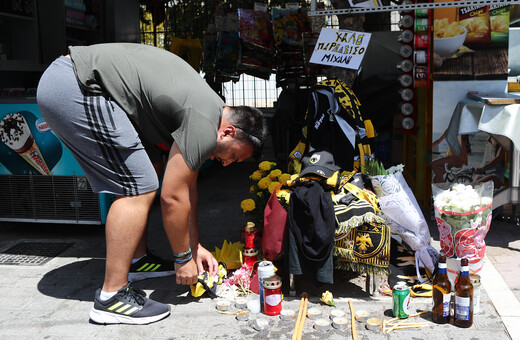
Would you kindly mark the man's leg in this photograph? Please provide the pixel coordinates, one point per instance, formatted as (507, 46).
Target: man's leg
(125, 225)
(140, 251)
(146, 264)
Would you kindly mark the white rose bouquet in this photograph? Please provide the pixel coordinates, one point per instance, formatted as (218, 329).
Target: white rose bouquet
(463, 214)
(402, 213)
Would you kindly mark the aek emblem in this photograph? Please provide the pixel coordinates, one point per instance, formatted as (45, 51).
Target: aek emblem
(363, 241)
(314, 159)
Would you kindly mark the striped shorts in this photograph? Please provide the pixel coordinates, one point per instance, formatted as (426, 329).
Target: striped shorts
(97, 132)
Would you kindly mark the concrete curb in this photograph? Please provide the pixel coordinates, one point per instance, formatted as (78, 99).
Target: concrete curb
(505, 302)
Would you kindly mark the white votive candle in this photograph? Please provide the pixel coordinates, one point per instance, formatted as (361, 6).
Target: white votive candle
(253, 303)
(340, 322)
(322, 324)
(336, 313)
(362, 315)
(223, 305)
(241, 303)
(313, 313)
(287, 314)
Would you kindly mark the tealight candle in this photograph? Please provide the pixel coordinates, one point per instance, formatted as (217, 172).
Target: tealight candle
(313, 313)
(287, 314)
(243, 315)
(336, 313)
(374, 324)
(241, 303)
(322, 324)
(362, 315)
(340, 322)
(223, 305)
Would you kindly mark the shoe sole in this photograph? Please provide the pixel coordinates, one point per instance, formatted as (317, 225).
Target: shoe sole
(106, 318)
(138, 276)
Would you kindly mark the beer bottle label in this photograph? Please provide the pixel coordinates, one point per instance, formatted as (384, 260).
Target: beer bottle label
(462, 308)
(446, 299)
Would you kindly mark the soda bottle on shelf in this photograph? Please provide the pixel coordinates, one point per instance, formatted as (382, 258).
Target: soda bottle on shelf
(441, 294)
(463, 316)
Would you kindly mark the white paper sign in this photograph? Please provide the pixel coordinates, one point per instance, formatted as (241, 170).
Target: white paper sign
(340, 48)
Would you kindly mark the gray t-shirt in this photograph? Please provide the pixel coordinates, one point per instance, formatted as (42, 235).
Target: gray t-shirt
(164, 96)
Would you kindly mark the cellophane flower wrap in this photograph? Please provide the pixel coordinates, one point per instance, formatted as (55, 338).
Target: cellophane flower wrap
(463, 214)
(402, 213)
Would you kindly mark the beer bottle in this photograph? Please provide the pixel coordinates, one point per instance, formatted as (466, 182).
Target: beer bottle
(463, 298)
(441, 294)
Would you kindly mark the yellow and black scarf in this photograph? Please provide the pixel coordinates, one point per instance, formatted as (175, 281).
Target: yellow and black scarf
(362, 239)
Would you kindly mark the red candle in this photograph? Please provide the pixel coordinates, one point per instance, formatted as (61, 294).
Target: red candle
(249, 235)
(250, 256)
(272, 295)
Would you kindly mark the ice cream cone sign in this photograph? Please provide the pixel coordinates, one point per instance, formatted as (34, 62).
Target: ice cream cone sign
(15, 133)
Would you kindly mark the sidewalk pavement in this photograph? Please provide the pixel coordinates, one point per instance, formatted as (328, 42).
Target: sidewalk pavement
(52, 300)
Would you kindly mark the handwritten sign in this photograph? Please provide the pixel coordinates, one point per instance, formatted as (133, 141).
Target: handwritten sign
(340, 48)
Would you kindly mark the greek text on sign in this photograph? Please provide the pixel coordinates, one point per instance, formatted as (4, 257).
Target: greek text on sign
(340, 48)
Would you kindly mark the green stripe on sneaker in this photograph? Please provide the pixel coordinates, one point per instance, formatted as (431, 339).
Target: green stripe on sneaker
(115, 305)
(143, 267)
(149, 267)
(123, 308)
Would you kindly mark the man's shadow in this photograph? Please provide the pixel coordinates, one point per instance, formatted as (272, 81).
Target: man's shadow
(80, 280)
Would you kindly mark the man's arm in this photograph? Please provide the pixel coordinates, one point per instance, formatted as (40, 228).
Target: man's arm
(204, 259)
(176, 206)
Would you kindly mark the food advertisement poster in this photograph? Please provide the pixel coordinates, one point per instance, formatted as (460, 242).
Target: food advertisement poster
(29, 147)
(470, 54)
(341, 48)
(471, 43)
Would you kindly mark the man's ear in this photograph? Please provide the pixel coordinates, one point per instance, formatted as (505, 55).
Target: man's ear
(229, 130)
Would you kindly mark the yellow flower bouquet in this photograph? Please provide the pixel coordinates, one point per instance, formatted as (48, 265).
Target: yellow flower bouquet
(265, 180)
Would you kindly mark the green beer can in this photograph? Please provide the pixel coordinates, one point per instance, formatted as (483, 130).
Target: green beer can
(401, 297)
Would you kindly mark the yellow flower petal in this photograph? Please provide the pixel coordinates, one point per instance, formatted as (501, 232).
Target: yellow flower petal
(257, 175)
(264, 183)
(327, 298)
(273, 186)
(274, 174)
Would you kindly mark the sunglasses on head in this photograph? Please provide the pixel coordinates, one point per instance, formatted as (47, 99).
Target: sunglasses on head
(249, 132)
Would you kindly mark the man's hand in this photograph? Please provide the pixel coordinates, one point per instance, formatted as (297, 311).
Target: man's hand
(205, 261)
(186, 273)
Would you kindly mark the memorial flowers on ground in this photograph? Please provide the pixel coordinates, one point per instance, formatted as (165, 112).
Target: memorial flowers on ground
(265, 181)
(240, 281)
(395, 197)
(463, 214)
(327, 298)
